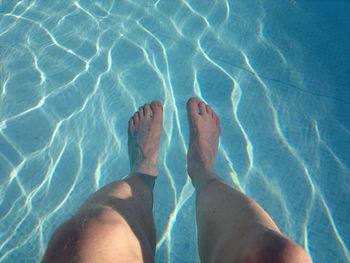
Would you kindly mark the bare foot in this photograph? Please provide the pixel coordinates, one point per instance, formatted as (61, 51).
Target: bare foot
(145, 127)
(204, 139)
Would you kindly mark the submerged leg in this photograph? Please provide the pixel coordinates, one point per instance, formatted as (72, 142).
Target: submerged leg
(116, 223)
(231, 226)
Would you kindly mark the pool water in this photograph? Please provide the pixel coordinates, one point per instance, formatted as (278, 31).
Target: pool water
(276, 72)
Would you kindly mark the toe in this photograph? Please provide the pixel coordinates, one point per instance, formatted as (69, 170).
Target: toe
(210, 111)
(156, 104)
(147, 110)
(207, 108)
(136, 117)
(141, 112)
(192, 106)
(157, 110)
(202, 108)
(131, 125)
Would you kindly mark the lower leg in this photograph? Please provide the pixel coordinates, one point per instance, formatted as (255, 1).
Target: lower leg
(231, 226)
(116, 223)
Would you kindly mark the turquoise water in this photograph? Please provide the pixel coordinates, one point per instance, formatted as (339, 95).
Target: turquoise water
(276, 72)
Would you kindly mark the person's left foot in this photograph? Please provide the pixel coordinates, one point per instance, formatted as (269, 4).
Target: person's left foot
(145, 127)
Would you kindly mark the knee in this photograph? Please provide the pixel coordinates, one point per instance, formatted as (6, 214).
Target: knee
(99, 224)
(84, 233)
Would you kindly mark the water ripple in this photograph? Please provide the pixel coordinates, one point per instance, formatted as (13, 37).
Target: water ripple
(72, 74)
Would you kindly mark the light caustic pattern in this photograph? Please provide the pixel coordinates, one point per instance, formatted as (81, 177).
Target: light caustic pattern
(72, 72)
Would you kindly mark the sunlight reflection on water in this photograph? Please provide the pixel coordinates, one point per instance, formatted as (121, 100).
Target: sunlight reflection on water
(73, 72)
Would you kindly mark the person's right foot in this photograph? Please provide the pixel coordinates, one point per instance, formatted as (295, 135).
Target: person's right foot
(204, 140)
(145, 127)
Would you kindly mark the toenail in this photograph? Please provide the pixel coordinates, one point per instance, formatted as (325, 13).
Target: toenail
(193, 99)
(157, 103)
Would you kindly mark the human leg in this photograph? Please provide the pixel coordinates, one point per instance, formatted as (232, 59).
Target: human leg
(116, 223)
(231, 226)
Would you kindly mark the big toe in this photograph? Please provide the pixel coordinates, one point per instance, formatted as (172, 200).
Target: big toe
(192, 106)
(157, 110)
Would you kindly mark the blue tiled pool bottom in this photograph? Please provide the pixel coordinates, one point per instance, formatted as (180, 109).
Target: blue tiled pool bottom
(72, 73)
